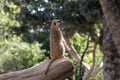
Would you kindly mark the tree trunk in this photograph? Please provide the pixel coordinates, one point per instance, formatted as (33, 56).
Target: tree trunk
(59, 70)
(111, 39)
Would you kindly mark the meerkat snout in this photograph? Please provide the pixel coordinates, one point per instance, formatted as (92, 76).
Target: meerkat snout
(57, 22)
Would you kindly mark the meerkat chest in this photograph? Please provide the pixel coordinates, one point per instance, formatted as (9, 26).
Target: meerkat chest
(55, 37)
(56, 40)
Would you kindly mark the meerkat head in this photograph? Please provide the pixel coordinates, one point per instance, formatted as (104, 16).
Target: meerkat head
(56, 23)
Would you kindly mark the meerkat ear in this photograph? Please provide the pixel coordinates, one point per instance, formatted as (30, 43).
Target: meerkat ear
(54, 23)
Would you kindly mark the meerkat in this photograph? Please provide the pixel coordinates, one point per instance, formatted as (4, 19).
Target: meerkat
(57, 48)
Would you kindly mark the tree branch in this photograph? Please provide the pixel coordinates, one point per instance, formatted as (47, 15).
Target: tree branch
(100, 67)
(58, 71)
(73, 52)
(88, 74)
(81, 66)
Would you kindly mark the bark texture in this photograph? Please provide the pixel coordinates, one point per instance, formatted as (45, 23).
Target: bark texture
(59, 70)
(111, 39)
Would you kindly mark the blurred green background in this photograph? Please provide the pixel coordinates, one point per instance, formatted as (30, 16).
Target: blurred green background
(25, 27)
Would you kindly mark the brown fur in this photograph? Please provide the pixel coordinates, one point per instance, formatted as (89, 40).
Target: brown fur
(57, 49)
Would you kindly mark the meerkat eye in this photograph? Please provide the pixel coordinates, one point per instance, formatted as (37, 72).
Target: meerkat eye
(59, 21)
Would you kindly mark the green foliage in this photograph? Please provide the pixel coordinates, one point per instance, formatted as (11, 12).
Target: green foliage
(79, 15)
(16, 54)
(24, 30)
(79, 42)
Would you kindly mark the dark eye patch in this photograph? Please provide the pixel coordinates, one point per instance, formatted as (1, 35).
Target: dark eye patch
(59, 21)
